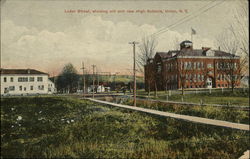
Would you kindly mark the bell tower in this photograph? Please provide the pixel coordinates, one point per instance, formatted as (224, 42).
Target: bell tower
(186, 45)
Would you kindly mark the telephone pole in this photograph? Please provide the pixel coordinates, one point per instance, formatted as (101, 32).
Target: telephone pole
(83, 74)
(97, 76)
(93, 78)
(115, 79)
(134, 43)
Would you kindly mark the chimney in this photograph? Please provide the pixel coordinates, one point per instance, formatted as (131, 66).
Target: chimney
(205, 48)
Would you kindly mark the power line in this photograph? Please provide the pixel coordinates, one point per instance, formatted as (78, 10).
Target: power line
(198, 12)
(183, 18)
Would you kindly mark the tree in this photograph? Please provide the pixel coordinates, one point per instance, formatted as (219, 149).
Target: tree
(239, 32)
(147, 52)
(234, 69)
(240, 27)
(185, 70)
(68, 79)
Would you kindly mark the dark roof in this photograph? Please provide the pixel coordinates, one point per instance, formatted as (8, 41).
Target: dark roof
(186, 41)
(21, 71)
(163, 55)
(200, 52)
(189, 52)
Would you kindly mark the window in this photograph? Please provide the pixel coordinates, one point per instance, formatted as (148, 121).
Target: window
(31, 88)
(198, 65)
(190, 77)
(189, 65)
(41, 87)
(202, 65)
(218, 85)
(158, 70)
(185, 65)
(11, 79)
(5, 79)
(194, 65)
(24, 88)
(20, 88)
(199, 77)
(22, 79)
(235, 65)
(11, 88)
(40, 79)
(32, 79)
(195, 77)
(209, 65)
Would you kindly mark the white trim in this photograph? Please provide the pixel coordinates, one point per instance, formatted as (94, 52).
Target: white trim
(205, 57)
(3, 74)
(199, 57)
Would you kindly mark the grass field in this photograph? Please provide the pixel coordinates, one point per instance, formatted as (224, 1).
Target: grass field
(61, 127)
(211, 112)
(216, 97)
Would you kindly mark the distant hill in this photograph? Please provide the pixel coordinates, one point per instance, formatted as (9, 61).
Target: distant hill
(110, 78)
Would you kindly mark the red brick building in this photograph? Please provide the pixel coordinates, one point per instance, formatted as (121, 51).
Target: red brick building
(191, 68)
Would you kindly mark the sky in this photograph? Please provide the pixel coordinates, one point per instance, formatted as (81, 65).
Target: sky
(46, 35)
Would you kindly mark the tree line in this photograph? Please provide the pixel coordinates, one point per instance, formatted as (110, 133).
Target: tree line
(70, 81)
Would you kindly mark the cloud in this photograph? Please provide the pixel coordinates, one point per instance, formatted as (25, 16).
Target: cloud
(94, 41)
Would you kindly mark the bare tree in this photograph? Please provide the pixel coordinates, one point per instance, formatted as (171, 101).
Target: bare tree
(239, 30)
(149, 76)
(234, 71)
(186, 72)
(234, 67)
(241, 26)
(147, 51)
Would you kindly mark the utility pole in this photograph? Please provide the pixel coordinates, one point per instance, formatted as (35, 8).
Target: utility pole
(54, 80)
(93, 78)
(97, 74)
(83, 75)
(115, 79)
(134, 43)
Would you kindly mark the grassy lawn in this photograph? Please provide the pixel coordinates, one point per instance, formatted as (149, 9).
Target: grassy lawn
(62, 127)
(211, 112)
(216, 97)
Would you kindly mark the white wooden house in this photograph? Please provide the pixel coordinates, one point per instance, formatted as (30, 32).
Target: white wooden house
(25, 82)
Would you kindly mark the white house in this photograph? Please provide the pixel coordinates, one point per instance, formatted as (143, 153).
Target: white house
(24, 82)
